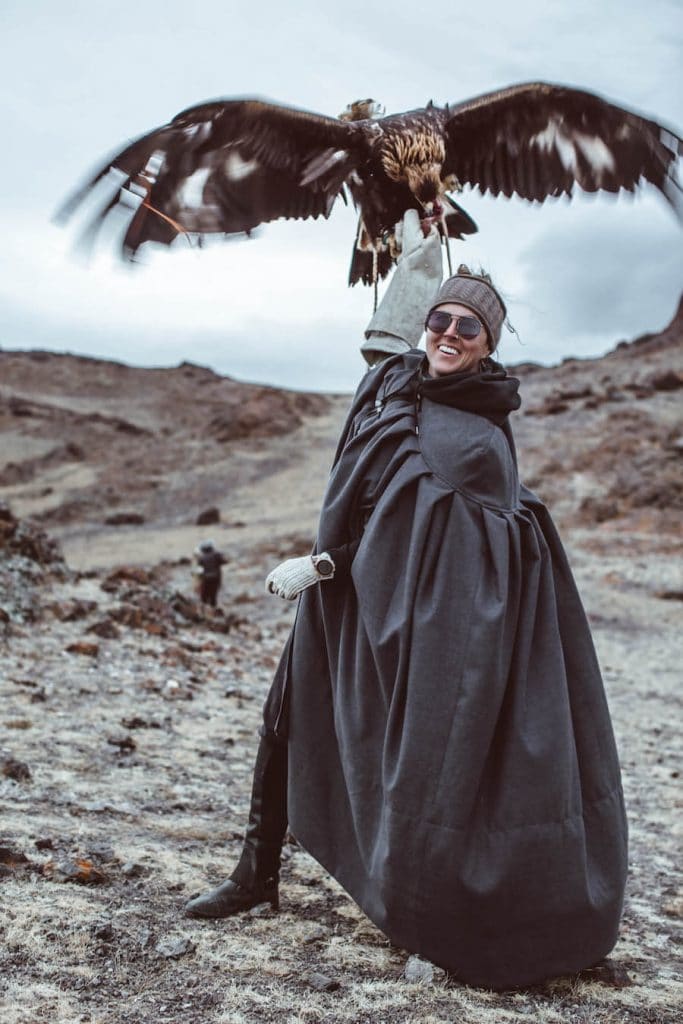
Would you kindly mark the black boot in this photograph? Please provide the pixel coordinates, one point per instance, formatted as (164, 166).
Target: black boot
(255, 879)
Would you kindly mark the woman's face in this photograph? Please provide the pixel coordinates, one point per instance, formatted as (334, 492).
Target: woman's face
(448, 352)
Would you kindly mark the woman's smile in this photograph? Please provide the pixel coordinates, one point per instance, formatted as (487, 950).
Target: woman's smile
(448, 352)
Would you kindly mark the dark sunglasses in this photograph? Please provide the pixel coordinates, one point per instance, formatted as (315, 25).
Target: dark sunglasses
(465, 326)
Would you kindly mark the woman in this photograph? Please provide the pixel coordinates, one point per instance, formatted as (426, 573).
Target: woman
(449, 752)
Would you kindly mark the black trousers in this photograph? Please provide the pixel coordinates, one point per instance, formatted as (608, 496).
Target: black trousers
(208, 590)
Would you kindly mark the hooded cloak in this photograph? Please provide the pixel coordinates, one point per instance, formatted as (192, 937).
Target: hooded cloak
(451, 756)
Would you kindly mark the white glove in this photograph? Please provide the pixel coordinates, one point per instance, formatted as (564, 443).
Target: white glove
(399, 320)
(290, 577)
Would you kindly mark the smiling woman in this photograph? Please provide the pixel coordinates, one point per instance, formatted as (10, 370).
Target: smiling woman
(451, 349)
(437, 734)
(457, 341)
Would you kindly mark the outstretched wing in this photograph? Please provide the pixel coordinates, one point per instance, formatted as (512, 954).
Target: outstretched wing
(539, 140)
(224, 166)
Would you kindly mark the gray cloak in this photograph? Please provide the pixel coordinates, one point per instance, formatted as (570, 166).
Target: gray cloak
(451, 757)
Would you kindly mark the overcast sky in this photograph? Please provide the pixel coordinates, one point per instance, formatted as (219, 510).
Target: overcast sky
(81, 78)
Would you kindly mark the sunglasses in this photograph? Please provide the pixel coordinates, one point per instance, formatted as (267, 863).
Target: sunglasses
(465, 326)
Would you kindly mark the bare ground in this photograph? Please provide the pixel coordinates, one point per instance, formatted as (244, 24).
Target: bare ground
(125, 769)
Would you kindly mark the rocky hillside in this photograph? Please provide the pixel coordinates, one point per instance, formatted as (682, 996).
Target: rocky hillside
(99, 453)
(602, 439)
(91, 446)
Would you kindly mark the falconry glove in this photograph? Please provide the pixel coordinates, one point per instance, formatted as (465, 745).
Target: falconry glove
(398, 322)
(290, 577)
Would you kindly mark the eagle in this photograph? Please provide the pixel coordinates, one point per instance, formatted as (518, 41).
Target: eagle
(225, 166)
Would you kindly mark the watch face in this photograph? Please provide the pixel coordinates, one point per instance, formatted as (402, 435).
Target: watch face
(324, 566)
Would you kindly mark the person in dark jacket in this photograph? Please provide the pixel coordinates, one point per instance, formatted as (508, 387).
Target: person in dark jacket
(437, 734)
(208, 562)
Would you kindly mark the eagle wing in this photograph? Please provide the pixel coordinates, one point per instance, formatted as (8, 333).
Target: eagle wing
(222, 167)
(538, 140)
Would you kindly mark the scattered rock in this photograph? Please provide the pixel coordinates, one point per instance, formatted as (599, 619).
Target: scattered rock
(187, 607)
(208, 517)
(70, 611)
(81, 872)
(125, 574)
(320, 982)
(100, 851)
(90, 650)
(24, 537)
(669, 380)
(598, 510)
(131, 869)
(124, 743)
(8, 522)
(261, 910)
(175, 655)
(418, 970)
(11, 768)
(30, 683)
(44, 843)
(107, 807)
(608, 972)
(173, 690)
(316, 934)
(135, 722)
(571, 394)
(106, 629)
(13, 859)
(103, 930)
(124, 519)
(551, 407)
(173, 949)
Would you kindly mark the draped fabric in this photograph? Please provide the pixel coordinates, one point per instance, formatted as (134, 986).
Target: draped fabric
(451, 757)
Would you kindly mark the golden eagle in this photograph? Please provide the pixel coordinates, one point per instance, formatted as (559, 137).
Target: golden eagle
(224, 167)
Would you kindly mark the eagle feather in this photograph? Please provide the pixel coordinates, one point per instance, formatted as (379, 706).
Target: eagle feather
(226, 166)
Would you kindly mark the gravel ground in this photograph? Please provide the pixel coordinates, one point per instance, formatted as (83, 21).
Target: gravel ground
(126, 784)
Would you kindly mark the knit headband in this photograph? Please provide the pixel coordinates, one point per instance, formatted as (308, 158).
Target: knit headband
(477, 293)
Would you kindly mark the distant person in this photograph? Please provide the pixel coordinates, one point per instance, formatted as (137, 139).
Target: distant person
(208, 571)
(437, 734)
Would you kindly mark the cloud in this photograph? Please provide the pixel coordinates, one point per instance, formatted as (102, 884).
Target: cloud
(102, 74)
(612, 276)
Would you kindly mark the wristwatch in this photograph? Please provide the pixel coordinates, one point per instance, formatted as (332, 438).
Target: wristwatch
(323, 565)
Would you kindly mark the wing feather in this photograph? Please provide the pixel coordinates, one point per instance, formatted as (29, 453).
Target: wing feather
(546, 139)
(225, 167)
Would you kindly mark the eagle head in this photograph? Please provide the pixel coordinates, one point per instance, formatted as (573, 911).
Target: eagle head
(415, 158)
(424, 181)
(362, 110)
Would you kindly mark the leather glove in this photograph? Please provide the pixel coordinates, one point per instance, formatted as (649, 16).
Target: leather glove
(399, 320)
(290, 577)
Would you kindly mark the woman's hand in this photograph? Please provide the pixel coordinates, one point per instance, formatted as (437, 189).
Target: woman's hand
(290, 577)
